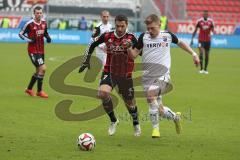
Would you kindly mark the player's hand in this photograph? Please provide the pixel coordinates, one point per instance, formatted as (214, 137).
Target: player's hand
(83, 66)
(196, 59)
(49, 40)
(33, 40)
(191, 43)
(127, 43)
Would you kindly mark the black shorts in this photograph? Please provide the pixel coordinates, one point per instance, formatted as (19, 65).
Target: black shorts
(37, 59)
(124, 84)
(205, 45)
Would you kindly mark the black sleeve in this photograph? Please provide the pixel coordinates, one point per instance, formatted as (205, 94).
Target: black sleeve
(24, 30)
(134, 42)
(46, 33)
(174, 38)
(96, 32)
(92, 46)
(139, 44)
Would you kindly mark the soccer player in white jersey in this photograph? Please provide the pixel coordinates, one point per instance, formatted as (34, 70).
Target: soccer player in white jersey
(101, 28)
(154, 47)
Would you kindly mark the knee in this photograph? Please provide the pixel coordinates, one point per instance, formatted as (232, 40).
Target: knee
(103, 95)
(129, 103)
(150, 98)
(42, 69)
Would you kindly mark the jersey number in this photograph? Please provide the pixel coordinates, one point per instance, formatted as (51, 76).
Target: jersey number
(40, 61)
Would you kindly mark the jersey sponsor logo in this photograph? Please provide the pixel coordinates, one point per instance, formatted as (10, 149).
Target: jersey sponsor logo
(205, 27)
(39, 32)
(157, 45)
(116, 48)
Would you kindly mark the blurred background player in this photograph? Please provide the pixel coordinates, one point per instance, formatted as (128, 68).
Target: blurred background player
(102, 27)
(154, 47)
(164, 22)
(117, 72)
(206, 26)
(34, 32)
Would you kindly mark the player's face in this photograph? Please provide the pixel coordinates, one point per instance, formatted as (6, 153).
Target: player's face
(205, 15)
(121, 27)
(105, 17)
(153, 29)
(38, 14)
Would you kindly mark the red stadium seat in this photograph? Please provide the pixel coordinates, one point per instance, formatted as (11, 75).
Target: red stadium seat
(219, 10)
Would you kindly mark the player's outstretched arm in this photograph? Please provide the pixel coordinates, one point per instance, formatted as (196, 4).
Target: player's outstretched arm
(136, 49)
(189, 50)
(88, 53)
(23, 37)
(133, 53)
(46, 35)
(193, 35)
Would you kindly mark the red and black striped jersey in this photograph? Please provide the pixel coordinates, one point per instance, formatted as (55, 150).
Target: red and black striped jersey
(118, 62)
(35, 32)
(205, 26)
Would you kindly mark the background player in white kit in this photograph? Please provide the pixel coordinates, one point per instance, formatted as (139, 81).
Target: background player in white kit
(101, 28)
(154, 47)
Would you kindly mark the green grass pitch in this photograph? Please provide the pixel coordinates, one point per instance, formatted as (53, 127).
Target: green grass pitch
(30, 129)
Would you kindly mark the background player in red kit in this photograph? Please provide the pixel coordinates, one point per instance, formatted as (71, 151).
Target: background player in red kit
(117, 71)
(34, 32)
(206, 26)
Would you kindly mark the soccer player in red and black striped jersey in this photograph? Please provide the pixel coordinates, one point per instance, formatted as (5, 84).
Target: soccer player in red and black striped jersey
(206, 26)
(34, 32)
(117, 71)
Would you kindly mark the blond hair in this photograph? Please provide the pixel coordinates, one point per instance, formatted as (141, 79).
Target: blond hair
(152, 18)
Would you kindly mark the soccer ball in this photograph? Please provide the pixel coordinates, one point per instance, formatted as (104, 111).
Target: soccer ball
(86, 142)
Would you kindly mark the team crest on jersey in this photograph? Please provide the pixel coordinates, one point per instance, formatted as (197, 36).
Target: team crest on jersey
(164, 38)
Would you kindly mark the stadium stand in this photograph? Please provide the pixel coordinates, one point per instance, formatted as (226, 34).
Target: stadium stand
(92, 6)
(220, 10)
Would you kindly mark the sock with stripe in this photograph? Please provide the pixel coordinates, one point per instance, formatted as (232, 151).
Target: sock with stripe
(168, 113)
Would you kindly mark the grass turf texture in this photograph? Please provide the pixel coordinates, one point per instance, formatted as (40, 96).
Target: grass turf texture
(29, 128)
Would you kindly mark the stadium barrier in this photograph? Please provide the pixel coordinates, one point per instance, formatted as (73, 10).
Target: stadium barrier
(83, 37)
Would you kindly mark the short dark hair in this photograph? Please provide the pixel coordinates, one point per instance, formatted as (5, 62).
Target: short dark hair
(152, 18)
(37, 8)
(121, 17)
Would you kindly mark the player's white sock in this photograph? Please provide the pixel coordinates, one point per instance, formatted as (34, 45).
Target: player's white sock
(168, 113)
(154, 114)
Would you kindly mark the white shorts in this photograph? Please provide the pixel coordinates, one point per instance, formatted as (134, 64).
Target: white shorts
(102, 56)
(161, 85)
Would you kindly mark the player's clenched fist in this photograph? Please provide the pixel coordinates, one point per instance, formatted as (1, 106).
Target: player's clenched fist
(127, 43)
(83, 66)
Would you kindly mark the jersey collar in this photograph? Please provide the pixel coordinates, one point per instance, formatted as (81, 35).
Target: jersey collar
(115, 33)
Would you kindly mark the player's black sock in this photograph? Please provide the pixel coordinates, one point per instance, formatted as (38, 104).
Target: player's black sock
(206, 60)
(32, 81)
(201, 61)
(134, 113)
(108, 107)
(40, 83)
